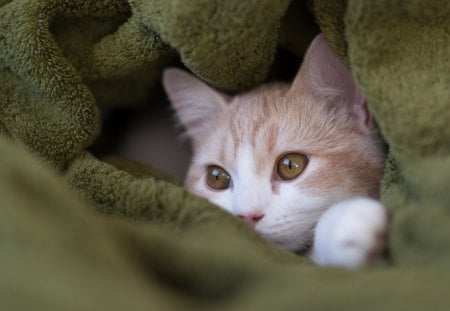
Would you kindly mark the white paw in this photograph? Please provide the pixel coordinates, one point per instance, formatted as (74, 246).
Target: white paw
(350, 233)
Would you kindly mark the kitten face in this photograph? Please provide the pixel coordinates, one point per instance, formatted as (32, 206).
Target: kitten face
(321, 124)
(247, 140)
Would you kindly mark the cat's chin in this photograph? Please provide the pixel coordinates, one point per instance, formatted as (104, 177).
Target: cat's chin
(293, 247)
(289, 244)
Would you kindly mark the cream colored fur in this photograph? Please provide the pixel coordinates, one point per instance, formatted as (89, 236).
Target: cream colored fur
(323, 115)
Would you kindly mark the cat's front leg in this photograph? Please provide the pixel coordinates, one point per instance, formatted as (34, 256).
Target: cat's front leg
(350, 233)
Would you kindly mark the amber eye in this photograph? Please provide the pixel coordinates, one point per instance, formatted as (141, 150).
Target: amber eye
(217, 178)
(291, 165)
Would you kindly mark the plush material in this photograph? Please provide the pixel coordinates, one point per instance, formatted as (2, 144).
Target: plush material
(79, 233)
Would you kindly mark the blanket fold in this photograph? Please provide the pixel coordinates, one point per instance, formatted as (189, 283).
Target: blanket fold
(412, 109)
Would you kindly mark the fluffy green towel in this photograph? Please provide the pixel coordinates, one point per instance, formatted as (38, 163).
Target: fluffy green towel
(400, 55)
(154, 246)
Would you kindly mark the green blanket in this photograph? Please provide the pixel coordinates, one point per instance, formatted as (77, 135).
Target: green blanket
(78, 233)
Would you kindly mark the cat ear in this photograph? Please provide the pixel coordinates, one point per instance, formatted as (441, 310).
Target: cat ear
(193, 100)
(323, 76)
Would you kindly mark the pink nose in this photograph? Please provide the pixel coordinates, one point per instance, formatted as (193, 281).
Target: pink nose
(252, 219)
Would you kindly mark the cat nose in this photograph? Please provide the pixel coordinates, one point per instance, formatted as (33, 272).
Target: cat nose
(252, 218)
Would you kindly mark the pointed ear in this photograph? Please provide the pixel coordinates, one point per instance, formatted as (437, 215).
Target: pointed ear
(323, 76)
(193, 100)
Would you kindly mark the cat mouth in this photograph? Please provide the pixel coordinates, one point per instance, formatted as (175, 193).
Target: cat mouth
(283, 243)
(286, 241)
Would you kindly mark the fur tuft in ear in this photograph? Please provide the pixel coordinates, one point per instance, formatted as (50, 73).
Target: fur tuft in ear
(323, 76)
(193, 100)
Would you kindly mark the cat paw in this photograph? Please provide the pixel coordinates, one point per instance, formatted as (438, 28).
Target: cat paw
(351, 234)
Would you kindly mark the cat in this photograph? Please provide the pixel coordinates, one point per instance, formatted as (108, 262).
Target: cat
(301, 163)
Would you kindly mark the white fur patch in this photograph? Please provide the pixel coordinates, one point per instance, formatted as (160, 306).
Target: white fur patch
(349, 233)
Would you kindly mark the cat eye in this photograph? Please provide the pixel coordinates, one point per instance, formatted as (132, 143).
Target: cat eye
(217, 178)
(291, 165)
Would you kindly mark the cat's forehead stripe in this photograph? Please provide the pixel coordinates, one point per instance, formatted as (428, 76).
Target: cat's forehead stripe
(272, 135)
(255, 128)
(236, 138)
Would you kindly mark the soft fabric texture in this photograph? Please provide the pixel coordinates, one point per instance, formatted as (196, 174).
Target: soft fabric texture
(77, 233)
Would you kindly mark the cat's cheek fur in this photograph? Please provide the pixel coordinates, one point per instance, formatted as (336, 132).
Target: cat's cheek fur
(290, 219)
(224, 200)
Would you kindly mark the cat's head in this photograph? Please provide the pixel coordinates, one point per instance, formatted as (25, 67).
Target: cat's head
(279, 155)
